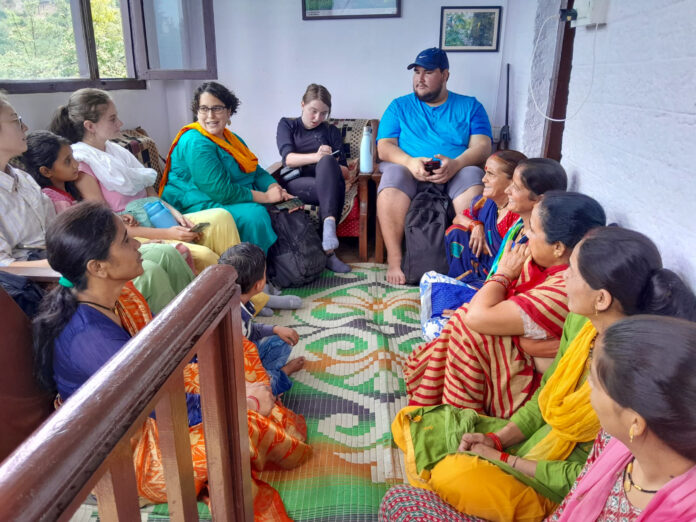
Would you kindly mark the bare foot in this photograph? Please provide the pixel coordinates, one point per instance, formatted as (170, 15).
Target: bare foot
(395, 275)
(293, 366)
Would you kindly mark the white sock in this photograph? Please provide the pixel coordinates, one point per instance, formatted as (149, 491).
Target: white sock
(329, 240)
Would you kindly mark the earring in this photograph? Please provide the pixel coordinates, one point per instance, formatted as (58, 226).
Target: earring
(631, 433)
(596, 312)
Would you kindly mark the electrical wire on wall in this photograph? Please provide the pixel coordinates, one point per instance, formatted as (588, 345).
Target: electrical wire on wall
(531, 91)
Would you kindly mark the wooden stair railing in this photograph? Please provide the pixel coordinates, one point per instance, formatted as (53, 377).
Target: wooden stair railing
(85, 444)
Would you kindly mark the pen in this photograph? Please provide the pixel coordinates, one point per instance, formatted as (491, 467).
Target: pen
(336, 152)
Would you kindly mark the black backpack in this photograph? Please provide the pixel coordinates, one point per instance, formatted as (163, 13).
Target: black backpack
(297, 257)
(427, 219)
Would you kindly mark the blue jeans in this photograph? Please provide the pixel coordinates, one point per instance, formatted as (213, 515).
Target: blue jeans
(274, 353)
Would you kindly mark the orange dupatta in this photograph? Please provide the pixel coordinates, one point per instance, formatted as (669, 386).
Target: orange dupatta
(132, 309)
(231, 144)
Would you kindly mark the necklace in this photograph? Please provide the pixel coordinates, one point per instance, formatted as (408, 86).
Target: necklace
(628, 480)
(112, 310)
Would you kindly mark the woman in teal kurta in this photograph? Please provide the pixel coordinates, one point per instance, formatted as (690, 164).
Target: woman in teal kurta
(211, 167)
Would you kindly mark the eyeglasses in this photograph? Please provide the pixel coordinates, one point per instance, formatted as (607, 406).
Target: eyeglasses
(18, 121)
(217, 109)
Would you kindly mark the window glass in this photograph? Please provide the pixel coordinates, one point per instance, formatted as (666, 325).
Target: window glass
(108, 37)
(174, 33)
(37, 40)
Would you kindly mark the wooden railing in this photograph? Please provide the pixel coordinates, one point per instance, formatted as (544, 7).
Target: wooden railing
(85, 444)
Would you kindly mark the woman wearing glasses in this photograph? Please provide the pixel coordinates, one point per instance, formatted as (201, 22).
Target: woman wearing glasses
(211, 167)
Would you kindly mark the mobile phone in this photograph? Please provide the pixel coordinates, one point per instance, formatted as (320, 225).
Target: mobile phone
(290, 204)
(198, 228)
(432, 165)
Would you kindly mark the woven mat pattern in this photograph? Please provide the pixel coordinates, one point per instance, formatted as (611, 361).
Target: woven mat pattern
(355, 332)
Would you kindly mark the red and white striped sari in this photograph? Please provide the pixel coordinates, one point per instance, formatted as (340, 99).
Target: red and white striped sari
(488, 373)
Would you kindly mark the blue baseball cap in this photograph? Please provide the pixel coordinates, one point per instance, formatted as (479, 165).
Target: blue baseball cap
(433, 58)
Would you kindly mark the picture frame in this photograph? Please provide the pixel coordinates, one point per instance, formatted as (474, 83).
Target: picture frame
(337, 9)
(470, 28)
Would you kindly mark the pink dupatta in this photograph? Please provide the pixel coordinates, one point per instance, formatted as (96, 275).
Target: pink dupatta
(676, 500)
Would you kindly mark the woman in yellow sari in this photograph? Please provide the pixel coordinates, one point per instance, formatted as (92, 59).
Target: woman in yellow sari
(521, 468)
(95, 310)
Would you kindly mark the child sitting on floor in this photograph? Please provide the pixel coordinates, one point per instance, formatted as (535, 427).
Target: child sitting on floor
(273, 342)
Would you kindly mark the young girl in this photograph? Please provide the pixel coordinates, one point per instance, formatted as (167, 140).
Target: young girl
(50, 161)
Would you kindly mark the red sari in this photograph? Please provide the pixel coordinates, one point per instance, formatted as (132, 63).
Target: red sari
(488, 373)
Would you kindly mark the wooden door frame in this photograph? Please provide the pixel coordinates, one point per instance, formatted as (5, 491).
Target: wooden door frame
(558, 102)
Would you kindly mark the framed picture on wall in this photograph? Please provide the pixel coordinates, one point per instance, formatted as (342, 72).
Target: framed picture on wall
(470, 29)
(330, 9)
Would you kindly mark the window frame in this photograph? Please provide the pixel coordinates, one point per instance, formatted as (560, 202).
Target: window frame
(140, 54)
(136, 55)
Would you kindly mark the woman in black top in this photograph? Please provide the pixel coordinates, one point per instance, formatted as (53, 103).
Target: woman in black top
(315, 148)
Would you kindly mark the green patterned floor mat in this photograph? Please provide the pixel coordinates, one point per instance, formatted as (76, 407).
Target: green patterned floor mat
(355, 332)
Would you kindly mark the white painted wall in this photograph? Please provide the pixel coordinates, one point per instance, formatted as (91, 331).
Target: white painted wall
(268, 55)
(543, 56)
(632, 146)
(147, 108)
(518, 37)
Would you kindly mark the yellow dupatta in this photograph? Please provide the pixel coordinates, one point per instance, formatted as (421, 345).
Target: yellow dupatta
(231, 144)
(565, 406)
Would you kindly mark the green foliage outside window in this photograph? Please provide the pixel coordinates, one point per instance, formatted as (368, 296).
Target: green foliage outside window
(37, 40)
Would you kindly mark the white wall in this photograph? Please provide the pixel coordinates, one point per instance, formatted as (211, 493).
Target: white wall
(518, 42)
(268, 55)
(147, 108)
(632, 144)
(543, 58)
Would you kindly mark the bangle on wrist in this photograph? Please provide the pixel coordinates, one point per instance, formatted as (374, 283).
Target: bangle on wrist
(497, 274)
(514, 463)
(474, 224)
(496, 440)
(258, 404)
(504, 457)
(494, 280)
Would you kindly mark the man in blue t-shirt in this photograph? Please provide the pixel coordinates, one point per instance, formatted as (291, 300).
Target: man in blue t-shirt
(432, 123)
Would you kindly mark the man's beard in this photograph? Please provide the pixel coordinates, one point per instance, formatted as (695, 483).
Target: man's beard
(428, 96)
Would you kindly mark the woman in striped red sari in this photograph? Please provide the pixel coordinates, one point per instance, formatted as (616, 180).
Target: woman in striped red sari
(477, 362)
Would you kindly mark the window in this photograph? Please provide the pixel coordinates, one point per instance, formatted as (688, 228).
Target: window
(63, 45)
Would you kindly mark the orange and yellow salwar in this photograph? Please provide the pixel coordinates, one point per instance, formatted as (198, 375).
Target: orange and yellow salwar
(488, 373)
(275, 442)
